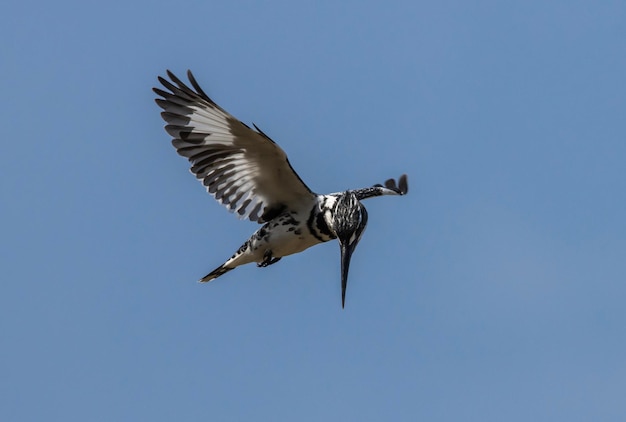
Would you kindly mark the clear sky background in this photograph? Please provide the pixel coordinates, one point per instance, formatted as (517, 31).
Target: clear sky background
(494, 291)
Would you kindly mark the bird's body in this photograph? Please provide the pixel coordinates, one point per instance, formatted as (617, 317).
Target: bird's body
(251, 175)
(288, 233)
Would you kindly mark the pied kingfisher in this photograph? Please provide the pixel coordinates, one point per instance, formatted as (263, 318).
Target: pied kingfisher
(250, 174)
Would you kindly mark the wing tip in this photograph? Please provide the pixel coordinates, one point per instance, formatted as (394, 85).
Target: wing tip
(401, 187)
(403, 184)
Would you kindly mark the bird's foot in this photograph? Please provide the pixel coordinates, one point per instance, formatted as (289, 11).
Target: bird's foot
(268, 259)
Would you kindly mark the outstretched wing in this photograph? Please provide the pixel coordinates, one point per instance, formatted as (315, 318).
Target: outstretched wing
(390, 188)
(241, 167)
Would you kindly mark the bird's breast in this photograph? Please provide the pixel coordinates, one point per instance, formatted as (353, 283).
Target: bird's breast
(285, 235)
(319, 218)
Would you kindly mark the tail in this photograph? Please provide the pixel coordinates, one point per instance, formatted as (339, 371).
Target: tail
(222, 269)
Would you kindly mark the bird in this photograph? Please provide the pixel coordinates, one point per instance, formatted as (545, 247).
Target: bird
(247, 172)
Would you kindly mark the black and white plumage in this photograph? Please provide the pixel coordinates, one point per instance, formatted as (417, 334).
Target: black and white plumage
(250, 174)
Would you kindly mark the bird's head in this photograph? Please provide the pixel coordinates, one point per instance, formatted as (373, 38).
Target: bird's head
(348, 223)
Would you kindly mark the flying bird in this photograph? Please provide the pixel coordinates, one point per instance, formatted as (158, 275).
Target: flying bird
(242, 168)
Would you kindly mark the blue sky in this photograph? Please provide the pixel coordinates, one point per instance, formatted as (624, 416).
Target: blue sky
(494, 291)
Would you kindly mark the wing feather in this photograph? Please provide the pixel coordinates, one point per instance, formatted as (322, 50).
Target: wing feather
(241, 167)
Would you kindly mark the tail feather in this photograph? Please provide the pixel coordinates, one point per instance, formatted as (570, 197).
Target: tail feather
(222, 269)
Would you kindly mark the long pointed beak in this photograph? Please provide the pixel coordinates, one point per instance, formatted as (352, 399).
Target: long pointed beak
(346, 254)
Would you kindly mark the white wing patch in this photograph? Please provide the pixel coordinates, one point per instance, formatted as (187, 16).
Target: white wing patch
(242, 168)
